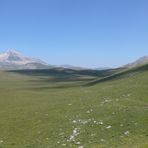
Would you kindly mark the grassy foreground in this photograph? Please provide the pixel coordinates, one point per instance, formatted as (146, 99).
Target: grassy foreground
(46, 111)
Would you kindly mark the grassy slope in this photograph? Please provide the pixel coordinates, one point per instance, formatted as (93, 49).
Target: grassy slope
(36, 116)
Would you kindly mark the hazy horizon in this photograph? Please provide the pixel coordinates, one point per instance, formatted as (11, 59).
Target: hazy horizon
(81, 33)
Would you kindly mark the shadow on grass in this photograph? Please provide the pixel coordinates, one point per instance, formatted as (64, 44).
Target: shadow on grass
(71, 77)
(65, 72)
(120, 75)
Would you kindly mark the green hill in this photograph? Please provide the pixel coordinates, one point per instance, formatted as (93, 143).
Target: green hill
(74, 109)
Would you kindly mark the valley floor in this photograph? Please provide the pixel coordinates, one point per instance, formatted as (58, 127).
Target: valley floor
(110, 114)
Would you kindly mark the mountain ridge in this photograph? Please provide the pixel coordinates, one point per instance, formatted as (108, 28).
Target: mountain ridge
(141, 61)
(12, 59)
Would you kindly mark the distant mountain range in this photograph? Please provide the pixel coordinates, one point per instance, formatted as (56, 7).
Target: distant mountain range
(12, 59)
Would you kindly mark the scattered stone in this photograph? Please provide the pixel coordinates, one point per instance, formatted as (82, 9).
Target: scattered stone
(60, 134)
(74, 121)
(106, 101)
(91, 110)
(88, 112)
(128, 95)
(100, 122)
(126, 133)
(108, 127)
(80, 147)
(64, 144)
(78, 143)
(102, 140)
(121, 125)
(93, 135)
(95, 122)
(74, 134)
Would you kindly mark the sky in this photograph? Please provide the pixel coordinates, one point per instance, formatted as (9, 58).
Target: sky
(88, 33)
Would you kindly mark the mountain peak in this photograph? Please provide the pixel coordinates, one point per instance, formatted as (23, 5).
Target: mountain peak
(12, 51)
(11, 58)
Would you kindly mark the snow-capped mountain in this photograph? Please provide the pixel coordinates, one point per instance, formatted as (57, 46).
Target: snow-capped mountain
(12, 59)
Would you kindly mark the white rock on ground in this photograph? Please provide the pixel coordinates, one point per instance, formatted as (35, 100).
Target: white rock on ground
(108, 127)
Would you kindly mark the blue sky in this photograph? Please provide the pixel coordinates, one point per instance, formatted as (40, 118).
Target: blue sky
(90, 33)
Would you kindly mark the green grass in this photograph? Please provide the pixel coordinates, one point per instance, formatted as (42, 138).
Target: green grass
(42, 109)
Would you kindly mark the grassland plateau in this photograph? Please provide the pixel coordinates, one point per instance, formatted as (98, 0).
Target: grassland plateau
(60, 108)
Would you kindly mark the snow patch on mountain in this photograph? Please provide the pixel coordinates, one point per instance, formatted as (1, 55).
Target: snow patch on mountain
(12, 59)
